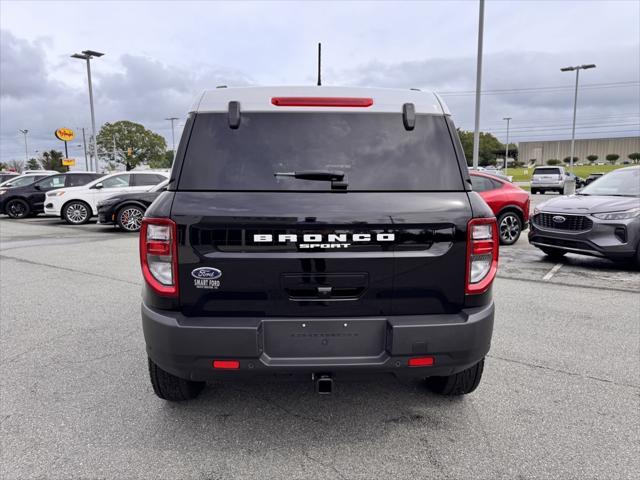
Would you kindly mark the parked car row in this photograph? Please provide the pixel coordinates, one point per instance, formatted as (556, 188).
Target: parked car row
(75, 196)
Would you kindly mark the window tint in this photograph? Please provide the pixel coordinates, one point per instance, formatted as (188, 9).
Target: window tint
(118, 181)
(374, 150)
(147, 179)
(482, 184)
(546, 171)
(54, 181)
(23, 181)
(79, 180)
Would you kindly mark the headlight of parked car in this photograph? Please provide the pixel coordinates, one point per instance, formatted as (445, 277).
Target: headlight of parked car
(55, 194)
(625, 215)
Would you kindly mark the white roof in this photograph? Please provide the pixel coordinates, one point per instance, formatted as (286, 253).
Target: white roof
(258, 99)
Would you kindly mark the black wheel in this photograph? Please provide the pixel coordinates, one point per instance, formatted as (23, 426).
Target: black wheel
(534, 191)
(76, 212)
(460, 383)
(554, 253)
(172, 388)
(17, 208)
(129, 218)
(509, 227)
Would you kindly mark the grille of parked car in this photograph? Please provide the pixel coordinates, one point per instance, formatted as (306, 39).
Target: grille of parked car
(574, 223)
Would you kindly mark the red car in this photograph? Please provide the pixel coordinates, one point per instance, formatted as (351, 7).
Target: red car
(509, 203)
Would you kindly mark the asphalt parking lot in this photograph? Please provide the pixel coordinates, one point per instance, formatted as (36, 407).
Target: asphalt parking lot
(559, 398)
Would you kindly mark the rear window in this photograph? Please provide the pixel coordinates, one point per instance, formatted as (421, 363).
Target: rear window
(546, 171)
(373, 150)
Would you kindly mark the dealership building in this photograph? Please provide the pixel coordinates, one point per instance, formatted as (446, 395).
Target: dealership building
(548, 149)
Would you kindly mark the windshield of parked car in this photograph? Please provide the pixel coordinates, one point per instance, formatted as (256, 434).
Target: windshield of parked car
(373, 150)
(624, 182)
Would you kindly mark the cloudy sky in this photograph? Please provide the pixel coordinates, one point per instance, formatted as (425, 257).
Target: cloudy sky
(160, 54)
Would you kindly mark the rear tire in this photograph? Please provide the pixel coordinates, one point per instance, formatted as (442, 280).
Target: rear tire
(554, 253)
(17, 208)
(129, 218)
(534, 191)
(76, 212)
(171, 388)
(459, 383)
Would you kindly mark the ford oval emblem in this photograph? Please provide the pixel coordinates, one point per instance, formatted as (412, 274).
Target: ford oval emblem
(559, 219)
(206, 272)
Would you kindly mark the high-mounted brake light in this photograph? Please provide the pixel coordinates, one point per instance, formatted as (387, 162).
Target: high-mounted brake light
(321, 102)
(158, 255)
(482, 254)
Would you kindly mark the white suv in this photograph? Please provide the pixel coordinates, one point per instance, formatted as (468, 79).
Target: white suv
(548, 179)
(76, 205)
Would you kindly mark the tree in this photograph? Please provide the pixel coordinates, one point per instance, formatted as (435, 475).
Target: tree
(488, 146)
(133, 144)
(634, 157)
(592, 158)
(553, 161)
(52, 160)
(165, 162)
(16, 165)
(612, 158)
(4, 166)
(567, 160)
(33, 164)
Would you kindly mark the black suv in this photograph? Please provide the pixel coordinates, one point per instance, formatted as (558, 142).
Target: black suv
(318, 230)
(20, 202)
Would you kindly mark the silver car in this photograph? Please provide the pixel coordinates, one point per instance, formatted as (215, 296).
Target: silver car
(602, 219)
(548, 179)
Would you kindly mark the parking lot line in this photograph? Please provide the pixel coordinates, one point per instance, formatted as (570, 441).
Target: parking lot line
(552, 272)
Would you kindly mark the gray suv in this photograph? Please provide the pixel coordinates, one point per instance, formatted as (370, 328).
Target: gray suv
(548, 179)
(602, 219)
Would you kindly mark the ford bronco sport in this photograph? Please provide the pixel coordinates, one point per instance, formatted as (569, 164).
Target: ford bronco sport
(321, 231)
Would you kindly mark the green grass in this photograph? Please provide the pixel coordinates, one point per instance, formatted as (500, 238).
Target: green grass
(521, 174)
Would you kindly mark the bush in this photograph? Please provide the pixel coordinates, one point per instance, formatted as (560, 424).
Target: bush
(553, 161)
(592, 158)
(635, 157)
(612, 158)
(568, 159)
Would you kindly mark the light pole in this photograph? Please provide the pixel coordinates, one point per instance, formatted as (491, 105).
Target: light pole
(476, 130)
(506, 153)
(88, 55)
(84, 144)
(173, 135)
(26, 149)
(575, 106)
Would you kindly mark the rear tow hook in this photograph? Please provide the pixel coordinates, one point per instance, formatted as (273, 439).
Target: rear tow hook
(324, 383)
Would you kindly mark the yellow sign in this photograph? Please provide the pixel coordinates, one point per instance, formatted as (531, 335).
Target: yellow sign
(65, 134)
(68, 162)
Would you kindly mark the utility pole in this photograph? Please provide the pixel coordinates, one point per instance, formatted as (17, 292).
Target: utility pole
(506, 154)
(173, 135)
(88, 55)
(575, 106)
(476, 131)
(26, 149)
(84, 143)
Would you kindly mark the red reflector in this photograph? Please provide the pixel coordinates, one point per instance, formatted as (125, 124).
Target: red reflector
(158, 248)
(226, 364)
(321, 102)
(482, 247)
(421, 361)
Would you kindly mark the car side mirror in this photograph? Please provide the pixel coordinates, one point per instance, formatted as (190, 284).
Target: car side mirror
(98, 185)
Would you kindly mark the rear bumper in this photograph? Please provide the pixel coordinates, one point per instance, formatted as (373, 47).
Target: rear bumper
(187, 346)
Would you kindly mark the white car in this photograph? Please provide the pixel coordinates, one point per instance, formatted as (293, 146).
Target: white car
(26, 179)
(76, 205)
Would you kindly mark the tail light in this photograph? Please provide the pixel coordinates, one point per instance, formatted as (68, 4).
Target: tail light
(482, 254)
(158, 255)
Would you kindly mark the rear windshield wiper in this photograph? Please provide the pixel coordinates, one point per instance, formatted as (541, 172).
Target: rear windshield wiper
(335, 177)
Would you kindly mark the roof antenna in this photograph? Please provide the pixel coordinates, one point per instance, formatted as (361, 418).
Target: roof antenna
(319, 63)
